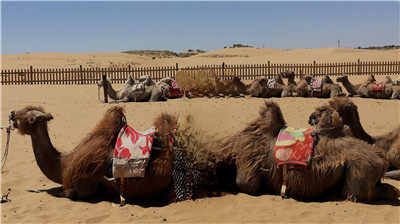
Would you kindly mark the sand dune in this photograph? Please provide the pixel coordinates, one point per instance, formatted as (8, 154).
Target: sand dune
(34, 199)
(228, 55)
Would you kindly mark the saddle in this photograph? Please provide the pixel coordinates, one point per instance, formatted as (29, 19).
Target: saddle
(293, 150)
(132, 152)
(315, 84)
(378, 86)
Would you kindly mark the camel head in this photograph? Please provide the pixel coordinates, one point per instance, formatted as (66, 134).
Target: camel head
(271, 116)
(346, 109)
(342, 78)
(29, 118)
(328, 119)
(287, 74)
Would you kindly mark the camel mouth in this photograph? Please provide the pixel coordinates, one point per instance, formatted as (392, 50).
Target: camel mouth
(12, 120)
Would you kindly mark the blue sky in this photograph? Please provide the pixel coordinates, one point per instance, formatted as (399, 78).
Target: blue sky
(77, 27)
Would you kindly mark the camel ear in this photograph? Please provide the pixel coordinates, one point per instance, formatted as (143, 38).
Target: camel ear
(45, 117)
(336, 120)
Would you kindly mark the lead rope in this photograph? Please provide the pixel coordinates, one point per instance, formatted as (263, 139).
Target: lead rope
(8, 131)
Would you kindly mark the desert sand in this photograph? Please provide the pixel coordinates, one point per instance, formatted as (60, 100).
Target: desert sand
(228, 55)
(35, 199)
(75, 109)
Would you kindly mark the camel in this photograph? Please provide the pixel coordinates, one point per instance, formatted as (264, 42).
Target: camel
(339, 162)
(259, 87)
(85, 171)
(290, 87)
(366, 91)
(328, 90)
(137, 91)
(234, 87)
(348, 112)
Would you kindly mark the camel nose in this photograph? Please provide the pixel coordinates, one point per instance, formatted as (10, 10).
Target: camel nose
(11, 117)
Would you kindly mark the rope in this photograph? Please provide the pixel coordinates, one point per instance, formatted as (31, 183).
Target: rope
(4, 158)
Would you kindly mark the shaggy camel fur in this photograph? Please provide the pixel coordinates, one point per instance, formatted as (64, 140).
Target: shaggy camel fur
(329, 89)
(82, 171)
(148, 90)
(339, 162)
(348, 111)
(259, 87)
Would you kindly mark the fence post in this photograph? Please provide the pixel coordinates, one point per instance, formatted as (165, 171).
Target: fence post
(31, 74)
(269, 68)
(177, 68)
(358, 67)
(80, 74)
(314, 68)
(103, 78)
(223, 70)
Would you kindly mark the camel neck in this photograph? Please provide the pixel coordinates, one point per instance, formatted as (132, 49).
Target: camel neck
(359, 132)
(349, 87)
(110, 91)
(47, 157)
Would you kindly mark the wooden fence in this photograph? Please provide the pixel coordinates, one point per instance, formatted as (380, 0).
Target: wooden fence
(82, 75)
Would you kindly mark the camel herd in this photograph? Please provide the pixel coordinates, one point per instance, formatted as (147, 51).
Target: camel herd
(346, 161)
(145, 89)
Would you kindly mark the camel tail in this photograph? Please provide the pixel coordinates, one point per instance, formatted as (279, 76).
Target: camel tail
(395, 175)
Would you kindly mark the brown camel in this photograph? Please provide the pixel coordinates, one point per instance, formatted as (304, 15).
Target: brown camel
(366, 91)
(83, 172)
(339, 162)
(328, 90)
(259, 87)
(348, 111)
(290, 87)
(234, 87)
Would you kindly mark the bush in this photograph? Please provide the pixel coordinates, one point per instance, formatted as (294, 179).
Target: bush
(197, 81)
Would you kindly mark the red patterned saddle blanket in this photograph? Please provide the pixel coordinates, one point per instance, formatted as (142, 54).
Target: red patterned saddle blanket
(294, 147)
(378, 86)
(132, 152)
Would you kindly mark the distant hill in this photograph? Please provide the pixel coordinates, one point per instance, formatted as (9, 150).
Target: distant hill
(386, 47)
(153, 53)
(164, 54)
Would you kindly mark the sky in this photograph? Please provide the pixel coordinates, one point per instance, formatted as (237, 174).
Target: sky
(86, 27)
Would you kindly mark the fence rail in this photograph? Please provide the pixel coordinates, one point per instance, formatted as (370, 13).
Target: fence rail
(82, 75)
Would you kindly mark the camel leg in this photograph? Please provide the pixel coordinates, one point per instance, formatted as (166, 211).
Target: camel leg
(394, 155)
(248, 183)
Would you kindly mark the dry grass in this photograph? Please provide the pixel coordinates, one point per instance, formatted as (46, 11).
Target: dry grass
(197, 81)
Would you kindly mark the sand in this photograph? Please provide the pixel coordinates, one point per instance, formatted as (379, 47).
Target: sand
(76, 110)
(228, 55)
(35, 199)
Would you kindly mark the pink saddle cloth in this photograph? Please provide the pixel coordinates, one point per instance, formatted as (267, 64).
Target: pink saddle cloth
(378, 86)
(132, 151)
(294, 147)
(316, 84)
